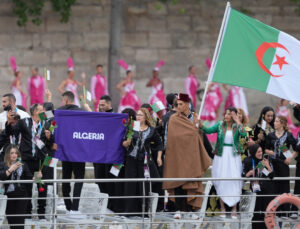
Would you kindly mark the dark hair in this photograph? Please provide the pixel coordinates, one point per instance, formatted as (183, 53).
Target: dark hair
(99, 65)
(191, 106)
(10, 96)
(190, 67)
(231, 109)
(263, 113)
(253, 149)
(127, 72)
(131, 113)
(33, 108)
(106, 98)
(171, 100)
(48, 106)
(69, 95)
(20, 107)
(147, 106)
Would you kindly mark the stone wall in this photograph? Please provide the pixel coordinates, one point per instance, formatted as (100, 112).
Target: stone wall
(149, 34)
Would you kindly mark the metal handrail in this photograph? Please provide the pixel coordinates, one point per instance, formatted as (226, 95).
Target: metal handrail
(91, 180)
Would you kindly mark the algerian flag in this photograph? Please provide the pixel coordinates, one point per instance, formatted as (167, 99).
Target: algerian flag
(257, 56)
(158, 106)
(46, 115)
(50, 161)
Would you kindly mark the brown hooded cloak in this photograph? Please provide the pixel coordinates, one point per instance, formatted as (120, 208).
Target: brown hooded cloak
(185, 157)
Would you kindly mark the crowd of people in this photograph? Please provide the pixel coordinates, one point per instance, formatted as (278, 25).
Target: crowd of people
(171, 143)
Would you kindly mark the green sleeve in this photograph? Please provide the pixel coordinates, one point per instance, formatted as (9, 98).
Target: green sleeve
(212, 129)
(242, 131)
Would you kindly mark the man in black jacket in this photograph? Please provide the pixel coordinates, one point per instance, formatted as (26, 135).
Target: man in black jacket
(102, 171)
(78, 168)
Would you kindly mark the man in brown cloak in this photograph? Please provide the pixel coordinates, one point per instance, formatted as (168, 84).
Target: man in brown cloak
(185, 157)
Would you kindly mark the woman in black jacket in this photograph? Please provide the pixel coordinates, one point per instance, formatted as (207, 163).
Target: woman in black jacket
(264, 126)
(258, 165)
(278, 146)
(139, 161)
(13, 169)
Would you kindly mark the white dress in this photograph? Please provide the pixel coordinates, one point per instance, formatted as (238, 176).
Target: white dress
(228, 166)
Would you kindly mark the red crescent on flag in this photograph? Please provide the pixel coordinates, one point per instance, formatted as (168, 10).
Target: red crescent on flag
(260, 52)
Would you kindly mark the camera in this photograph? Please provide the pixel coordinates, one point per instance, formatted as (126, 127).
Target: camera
(266, 156)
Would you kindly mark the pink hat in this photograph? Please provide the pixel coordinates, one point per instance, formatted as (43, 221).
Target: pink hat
(124, 65)
(159, 65)
(13, 64)
(70, 64)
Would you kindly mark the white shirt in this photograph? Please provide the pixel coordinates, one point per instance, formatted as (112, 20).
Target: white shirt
(3, 117)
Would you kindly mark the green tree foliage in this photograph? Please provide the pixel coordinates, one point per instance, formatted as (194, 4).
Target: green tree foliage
(32, 10)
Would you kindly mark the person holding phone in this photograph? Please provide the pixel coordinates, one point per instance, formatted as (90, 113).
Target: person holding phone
(259, 165)
(227, 160)
(264, 126)
(12, 169)
(9, 104)
(278, 147)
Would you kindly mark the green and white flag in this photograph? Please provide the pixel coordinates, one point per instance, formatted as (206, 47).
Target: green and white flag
(257, 56)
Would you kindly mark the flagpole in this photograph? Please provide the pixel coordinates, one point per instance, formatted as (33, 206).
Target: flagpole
(216, 52)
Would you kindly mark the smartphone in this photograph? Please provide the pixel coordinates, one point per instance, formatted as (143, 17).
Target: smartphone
(19, 159)
(266, 156)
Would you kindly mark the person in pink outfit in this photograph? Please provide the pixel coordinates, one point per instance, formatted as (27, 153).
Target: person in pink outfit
(129, 98)
(157, 86)
(36, 87)
(98, 86)
(70, 84)
(192, 84)
(283, 110)
(16, 87)
(236, 98)
(212, 104)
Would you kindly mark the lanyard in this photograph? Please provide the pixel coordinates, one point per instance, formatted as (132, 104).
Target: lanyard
(253, 166)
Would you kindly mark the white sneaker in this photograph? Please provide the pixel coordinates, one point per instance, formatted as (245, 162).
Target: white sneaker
(177, 215)
(194, 216)
(294, 216)
(76, 215)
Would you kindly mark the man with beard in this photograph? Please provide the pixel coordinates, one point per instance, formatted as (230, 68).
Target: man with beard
(185, 156)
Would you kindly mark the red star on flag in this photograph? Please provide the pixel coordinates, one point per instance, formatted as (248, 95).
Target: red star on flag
(280, 61)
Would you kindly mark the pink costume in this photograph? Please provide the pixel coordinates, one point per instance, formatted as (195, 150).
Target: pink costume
(157, 90)
(157, 94)
(284, 111)
(236, 98)
(21, 98)
(36, 89)
(98, 88)
(212, 104)
(73, 88)
(191, 86)
(129, 99)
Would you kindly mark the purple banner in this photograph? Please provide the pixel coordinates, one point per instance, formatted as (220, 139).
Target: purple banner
(89, 136)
